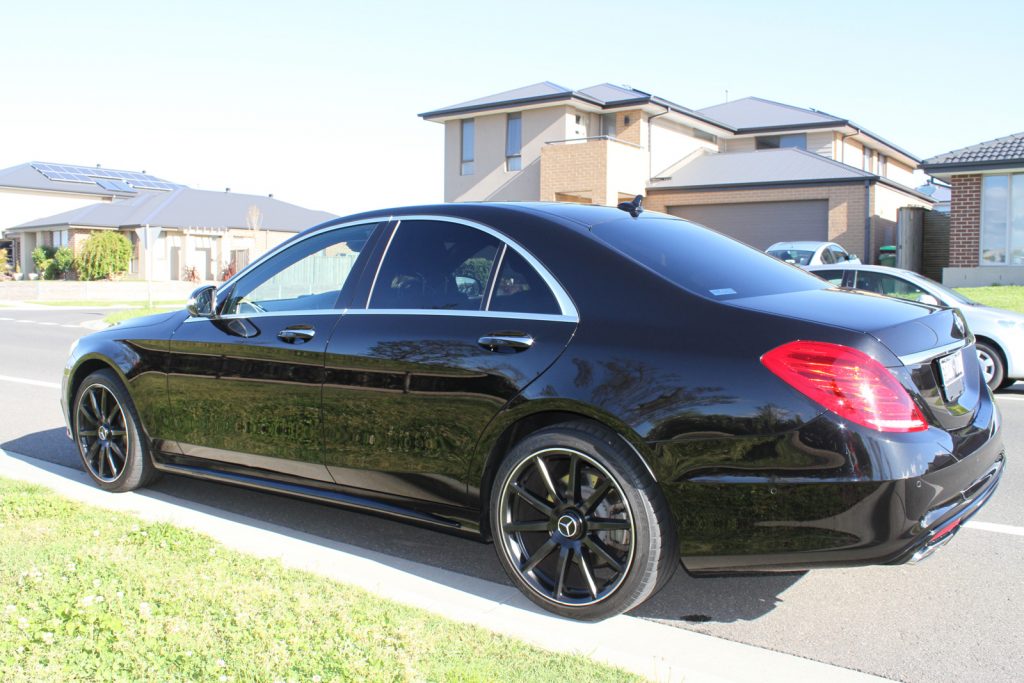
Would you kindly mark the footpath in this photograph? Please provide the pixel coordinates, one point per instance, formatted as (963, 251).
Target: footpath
(657, 651)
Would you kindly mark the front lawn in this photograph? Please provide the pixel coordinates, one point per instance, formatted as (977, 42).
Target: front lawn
(1010, 297)
(93, 595)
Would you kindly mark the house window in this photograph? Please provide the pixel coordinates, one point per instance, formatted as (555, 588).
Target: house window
(1002, 220)
(608, 125)
(867, 160)
(883, 164)
(513, 142)
(468, 137)
(794, 140)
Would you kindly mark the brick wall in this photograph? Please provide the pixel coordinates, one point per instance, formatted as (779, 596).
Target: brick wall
(631, 132)
(845, 206)
(965, 221)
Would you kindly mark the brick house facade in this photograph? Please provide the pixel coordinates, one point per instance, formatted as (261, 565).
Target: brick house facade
(986, 223)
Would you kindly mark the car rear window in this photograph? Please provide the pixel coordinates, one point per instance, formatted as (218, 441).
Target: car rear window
(703, 261)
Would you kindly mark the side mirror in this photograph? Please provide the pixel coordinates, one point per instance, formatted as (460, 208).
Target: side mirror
(928, 299)
(200, 303)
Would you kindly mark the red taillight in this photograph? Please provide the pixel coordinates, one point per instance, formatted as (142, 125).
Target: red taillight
(848, 382)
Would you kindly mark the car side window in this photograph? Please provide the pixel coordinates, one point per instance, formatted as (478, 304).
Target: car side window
(309, 275)
(898, 287)
(839, 254)
(520, 289)
(435, 265)
(835, 277)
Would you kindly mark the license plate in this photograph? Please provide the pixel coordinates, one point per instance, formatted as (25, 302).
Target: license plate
(951, 368)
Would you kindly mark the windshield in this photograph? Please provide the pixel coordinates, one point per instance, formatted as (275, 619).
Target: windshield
(703, 261)
(800, 257)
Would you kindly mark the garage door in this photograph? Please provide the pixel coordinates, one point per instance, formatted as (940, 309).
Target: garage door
(761, 224)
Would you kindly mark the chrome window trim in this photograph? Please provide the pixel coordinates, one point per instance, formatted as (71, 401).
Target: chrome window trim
(492, 282)
(463, 314)
(270, 314)
(394, 311)
(922, 356)
(565, 303)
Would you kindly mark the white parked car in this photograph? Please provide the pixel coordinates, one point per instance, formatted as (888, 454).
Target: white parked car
(811, 253)
(999, 333)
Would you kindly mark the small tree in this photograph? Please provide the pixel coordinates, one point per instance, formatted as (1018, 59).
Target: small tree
(104, 255)
(4, 267)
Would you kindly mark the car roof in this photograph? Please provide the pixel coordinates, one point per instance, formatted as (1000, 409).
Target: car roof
(803, 244)
(898, 272)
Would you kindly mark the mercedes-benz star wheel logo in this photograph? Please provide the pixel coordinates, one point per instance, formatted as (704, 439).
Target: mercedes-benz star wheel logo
(568, 526)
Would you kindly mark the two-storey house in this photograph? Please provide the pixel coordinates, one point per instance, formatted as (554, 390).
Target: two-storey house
(758, 170)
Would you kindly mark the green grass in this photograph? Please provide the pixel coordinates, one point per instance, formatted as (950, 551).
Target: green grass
(107, 302)
(94, 595)
(118, 316)
(1010, 297)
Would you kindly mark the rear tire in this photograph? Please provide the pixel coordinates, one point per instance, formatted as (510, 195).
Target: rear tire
(579, 523)
(992, 367)
(108, 434)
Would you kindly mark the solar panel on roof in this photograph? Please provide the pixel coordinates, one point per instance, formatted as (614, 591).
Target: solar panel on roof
(115, 185)
(119, 181)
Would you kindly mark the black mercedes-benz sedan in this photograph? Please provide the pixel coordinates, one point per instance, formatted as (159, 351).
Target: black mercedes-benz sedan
(603, 393)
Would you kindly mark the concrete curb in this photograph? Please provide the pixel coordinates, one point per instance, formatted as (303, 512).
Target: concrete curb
(657, 651)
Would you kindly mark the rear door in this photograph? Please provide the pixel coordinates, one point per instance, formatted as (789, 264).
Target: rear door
(456, 322)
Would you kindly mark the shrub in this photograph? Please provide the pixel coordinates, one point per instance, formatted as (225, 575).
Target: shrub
(41, 257)
(61, 264)
(4, 267)
(104, 255)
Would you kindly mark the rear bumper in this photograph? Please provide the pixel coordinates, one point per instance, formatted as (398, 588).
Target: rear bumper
(901, 499)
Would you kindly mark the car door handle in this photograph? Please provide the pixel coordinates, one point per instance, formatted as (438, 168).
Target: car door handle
(296, 335)
(506, 341)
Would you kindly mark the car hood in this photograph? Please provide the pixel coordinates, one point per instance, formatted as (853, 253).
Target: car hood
(983, 318)
(148, 320)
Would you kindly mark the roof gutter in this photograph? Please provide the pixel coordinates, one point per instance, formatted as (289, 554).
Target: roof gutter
(650, 141)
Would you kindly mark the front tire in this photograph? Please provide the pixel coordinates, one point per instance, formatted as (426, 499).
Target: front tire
(992, 367)
(107, 431)
(579, 524)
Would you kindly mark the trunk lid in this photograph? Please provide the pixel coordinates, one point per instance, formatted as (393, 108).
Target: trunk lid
(935, 350)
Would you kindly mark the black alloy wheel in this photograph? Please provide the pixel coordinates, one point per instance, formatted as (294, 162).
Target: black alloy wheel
(573, 530)
(107, 434)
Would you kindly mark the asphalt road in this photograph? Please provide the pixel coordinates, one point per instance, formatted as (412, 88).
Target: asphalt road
(958, 615)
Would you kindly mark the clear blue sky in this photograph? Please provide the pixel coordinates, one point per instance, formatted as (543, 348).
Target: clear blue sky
(317, 102)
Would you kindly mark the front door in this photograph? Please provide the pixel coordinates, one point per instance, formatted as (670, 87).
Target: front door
(245, 386)
(458, 323)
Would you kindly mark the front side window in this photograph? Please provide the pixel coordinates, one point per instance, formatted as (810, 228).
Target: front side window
(1002, 220)
(793, 140)
(867, 159)
(435, 265)
(468, 138)
(882, 283)
(514, 142)
(883, 164)
(308, 275)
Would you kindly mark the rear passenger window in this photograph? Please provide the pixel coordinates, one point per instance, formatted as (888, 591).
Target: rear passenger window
(833, 276)
(435, 265)
(520, 289)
